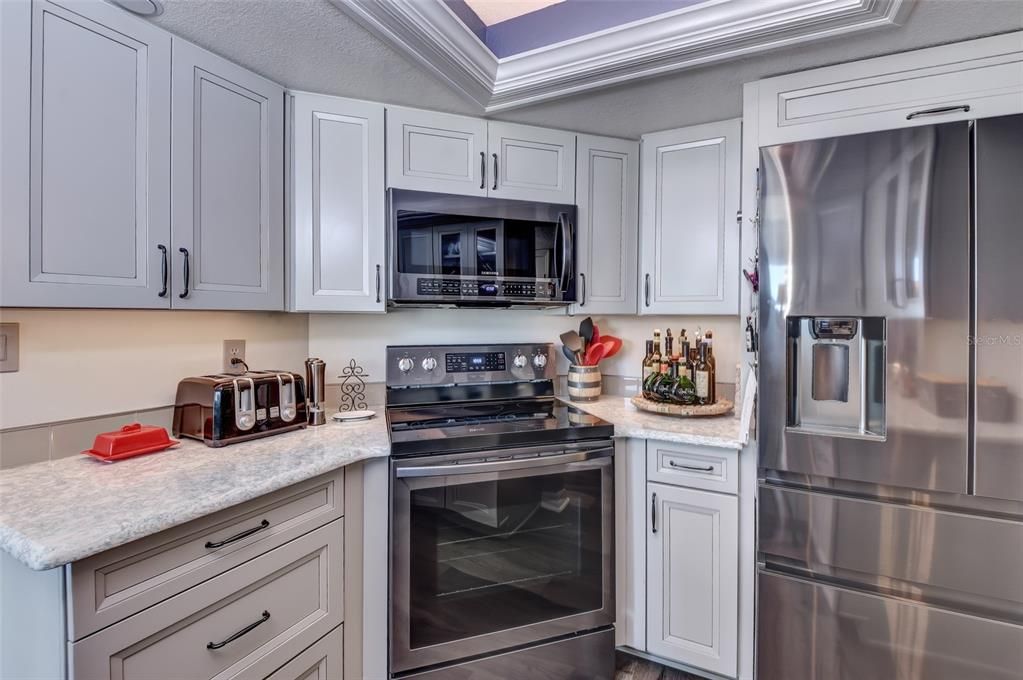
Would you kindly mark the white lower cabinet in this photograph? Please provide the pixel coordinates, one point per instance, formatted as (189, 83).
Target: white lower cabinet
(692, 577)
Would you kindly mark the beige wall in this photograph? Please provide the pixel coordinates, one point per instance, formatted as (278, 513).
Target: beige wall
(339, 338)
(84, 363)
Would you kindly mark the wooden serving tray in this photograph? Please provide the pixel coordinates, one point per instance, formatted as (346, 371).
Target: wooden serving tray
(719, 408)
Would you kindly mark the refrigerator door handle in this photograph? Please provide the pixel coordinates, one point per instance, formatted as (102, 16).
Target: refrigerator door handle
(939, 111)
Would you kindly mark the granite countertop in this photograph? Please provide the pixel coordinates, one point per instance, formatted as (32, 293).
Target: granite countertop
(719, 431)
(57, 512)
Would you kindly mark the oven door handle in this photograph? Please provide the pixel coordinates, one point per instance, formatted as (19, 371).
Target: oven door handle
(502, 465)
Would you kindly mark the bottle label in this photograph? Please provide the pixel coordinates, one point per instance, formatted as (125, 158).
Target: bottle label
(702, 384)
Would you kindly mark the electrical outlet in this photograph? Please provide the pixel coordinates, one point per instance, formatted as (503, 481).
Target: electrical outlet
(234, 349)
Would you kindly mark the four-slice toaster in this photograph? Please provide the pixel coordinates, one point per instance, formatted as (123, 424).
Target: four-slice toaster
(222, 409)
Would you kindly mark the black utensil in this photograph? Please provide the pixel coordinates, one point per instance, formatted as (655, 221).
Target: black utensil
(586, 330)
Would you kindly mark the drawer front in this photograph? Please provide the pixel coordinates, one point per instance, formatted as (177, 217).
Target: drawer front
(695, 467)
(323, 661)
(815, 631)
(236, 625)
(120, 582)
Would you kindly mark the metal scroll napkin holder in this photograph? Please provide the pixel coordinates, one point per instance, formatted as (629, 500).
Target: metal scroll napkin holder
(353, 387)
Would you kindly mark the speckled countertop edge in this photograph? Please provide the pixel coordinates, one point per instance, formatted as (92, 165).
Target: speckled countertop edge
(57, 512)
(718, 431)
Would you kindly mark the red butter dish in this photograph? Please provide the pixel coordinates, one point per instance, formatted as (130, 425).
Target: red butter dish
(131, 440)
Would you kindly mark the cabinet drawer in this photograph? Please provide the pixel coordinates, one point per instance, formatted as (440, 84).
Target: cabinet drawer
(323, 661)
(115, 584)
(693, 466)
(236, 625)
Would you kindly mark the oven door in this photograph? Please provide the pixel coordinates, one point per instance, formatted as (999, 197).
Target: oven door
(494, 550)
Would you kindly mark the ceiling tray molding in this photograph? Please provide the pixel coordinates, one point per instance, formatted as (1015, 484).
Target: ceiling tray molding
(708, 32)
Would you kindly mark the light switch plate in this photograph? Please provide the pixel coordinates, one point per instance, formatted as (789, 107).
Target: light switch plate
(8, 347)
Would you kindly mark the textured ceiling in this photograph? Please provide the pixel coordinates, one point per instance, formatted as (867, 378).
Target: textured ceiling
(493, 12)
(311, 45)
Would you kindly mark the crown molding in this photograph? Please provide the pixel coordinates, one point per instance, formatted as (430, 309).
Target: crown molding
(712, 31)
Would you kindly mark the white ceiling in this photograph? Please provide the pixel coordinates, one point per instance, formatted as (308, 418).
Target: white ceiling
(311, 45)
(493, 12)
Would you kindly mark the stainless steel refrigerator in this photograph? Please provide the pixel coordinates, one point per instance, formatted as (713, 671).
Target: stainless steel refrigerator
(890, 505)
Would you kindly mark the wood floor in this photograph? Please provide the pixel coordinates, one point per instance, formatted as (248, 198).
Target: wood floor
(631, 668)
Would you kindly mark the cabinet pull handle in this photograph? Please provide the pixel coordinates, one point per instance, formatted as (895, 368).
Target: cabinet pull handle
(495, 171)
(696, 468)
(582, 278)
(163, 270)
(378, 283)
(653, 513)
(237, 537)
(247, 629)
(646, 290)
(483, 170)
(187, 273)
(965, 108)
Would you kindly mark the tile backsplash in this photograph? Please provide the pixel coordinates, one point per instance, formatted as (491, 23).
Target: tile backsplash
(52, 441)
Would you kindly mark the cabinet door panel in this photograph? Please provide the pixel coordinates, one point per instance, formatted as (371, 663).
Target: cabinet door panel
(429, 151)
(607, 188)
(692, 565)
(85, 183)
(228, 167)
(689, 232)
(338, 226)
(532, 164)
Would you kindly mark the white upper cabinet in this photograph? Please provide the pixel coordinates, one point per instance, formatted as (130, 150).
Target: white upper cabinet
(448, 154)
(437, 152)
(85, 130)
(607, 191)
(227, 185)
(689, 231)
(692, 577)
(962, 81)
(530, 163)
(338, 226)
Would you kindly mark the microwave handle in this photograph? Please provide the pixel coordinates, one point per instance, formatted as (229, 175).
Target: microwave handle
(567, 246)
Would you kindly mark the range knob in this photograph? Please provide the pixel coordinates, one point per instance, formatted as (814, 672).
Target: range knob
(520, 360)
(405, 364)
(429, 363)
(540, 361)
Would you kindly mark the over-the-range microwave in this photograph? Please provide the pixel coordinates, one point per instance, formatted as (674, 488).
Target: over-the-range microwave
(469, 251)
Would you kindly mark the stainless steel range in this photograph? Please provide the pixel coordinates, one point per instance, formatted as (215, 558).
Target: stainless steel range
(502, 524)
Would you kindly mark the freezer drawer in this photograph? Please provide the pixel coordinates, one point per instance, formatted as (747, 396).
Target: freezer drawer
(966, 562)
(813, 631)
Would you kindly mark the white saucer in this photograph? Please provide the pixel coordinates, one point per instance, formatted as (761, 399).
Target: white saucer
(353, 416)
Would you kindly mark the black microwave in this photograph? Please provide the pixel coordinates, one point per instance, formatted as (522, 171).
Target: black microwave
(469, 251)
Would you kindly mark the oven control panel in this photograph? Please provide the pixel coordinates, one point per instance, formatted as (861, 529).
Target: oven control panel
(419, 365)
(466, 362)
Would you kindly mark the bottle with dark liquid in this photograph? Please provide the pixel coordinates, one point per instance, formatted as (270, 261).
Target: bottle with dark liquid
(708, 339)
(666, 354)
(705, 391)
(648, 360)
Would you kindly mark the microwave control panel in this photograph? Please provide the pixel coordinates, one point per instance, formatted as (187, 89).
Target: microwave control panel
(456, 287)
